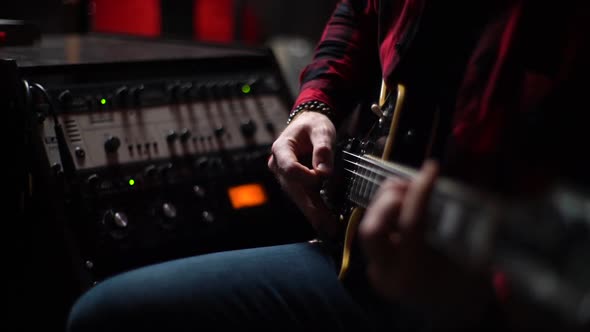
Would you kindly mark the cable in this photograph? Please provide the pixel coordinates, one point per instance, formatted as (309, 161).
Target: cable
(27, 189)
(52, 112)
(62, 146)
(28, 94)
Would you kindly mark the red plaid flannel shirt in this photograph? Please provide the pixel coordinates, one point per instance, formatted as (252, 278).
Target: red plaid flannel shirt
(527, 56)
(522, 58)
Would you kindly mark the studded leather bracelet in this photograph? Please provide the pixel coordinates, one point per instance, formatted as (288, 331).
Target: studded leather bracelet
(311, 106)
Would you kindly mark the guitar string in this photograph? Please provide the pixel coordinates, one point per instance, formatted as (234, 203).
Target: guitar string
(363, 187)
(364, 184)
(352, 189)
(377, 165)
(362, 176)
(360, 194)
(369, 181)
(453, 191)
(357, 198)
(382, 166)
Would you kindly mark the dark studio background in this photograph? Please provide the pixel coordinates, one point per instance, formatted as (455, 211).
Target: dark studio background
(303, 17)
(290, 28)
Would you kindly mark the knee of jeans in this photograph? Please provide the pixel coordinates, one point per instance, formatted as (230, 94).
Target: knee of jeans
(84, 314)
(93, 310)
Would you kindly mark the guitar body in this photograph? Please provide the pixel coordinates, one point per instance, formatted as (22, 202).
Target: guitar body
(405, 132)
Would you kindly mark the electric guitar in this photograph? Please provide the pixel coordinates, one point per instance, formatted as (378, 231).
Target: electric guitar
(542, 243)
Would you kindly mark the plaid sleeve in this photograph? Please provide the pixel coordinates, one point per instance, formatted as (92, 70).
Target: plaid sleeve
(337, 70)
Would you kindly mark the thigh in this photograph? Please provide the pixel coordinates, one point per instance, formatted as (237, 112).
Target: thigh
(291, 287)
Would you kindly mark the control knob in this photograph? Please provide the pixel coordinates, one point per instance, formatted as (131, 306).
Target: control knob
(171, 136)
(66, 99)
(165, 170)
(248, 128)
(93, 181)
(219, 131)
(79, 152)
(117, 219)
(187, 91)
(122, 96)
(168, 211)
(112, 144)
(150, 172)
(208, 217)
(137, 93)
(117, 223)
(270, 127)
(199, 191)
(173, 91)
(167, 214)
(185, 134)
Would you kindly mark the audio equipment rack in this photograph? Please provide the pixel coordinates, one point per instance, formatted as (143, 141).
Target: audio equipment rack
(136, 151)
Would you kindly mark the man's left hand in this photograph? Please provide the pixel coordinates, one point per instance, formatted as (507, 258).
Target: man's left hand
(403, 268)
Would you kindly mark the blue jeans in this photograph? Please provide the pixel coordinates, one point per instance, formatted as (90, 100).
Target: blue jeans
(286, 287)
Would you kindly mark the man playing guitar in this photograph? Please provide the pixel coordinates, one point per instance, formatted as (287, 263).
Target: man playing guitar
(495, 100)
(486, 70)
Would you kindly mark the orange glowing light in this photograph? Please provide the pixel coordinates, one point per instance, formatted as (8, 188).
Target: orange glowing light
(248, 195)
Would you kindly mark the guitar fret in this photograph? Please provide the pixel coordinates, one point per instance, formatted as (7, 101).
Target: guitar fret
(364, 185)
(369, 185)
(353, 193)
(366, 176)
(372, 186)
(376, 185)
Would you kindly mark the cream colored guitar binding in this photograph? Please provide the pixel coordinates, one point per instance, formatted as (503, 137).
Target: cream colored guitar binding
(357, 213)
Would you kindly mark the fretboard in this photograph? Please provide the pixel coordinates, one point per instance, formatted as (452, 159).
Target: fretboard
(459, 218)
(365, 175)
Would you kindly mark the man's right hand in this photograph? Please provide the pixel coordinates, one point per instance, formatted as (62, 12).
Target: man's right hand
(310, 134)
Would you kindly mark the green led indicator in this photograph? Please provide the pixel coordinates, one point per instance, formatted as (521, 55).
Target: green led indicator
(131, 182)
(246, 88)
(103, 101)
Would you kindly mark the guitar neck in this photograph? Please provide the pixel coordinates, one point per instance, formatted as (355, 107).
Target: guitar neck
(366, 173)
(475, 227)
(459, 218)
